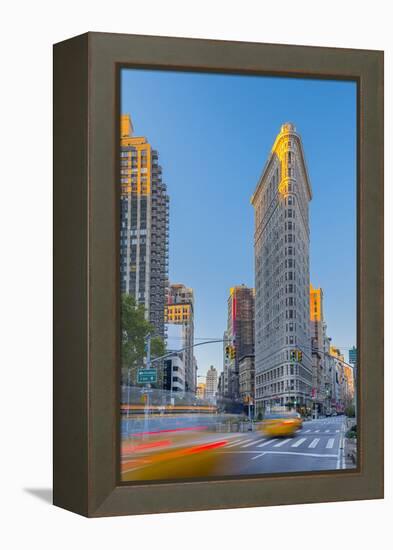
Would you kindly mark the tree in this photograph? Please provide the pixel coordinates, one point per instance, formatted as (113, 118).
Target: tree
(134, 330)
(350, 411)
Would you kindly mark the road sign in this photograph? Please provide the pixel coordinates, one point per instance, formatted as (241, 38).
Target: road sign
(147, 376)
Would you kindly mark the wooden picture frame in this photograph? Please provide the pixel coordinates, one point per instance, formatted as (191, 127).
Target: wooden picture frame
(86, 279)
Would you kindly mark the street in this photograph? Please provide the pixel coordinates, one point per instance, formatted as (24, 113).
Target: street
(173, 454)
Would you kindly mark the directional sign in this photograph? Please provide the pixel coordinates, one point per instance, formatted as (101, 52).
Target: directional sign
(147, 376)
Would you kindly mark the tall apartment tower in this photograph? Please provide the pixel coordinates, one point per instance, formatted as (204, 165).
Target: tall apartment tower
(144, 225)
(179, 310)
(282, 276)
(239, 333)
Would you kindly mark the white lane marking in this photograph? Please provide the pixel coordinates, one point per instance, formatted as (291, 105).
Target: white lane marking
(299, 442)
(316, 431)
(313, 443)
(327, 431)
(267, 442)
(306, 432)
(337, 431)
(330, 443)
(281, 443)
(258, 456)
(253, 442)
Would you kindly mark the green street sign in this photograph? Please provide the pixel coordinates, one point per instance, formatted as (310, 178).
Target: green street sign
(147, 376)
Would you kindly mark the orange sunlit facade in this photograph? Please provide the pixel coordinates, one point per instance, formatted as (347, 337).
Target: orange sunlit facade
(315, 304)
(178, 313)
(135, 172)
(336, 353)
(349, 379)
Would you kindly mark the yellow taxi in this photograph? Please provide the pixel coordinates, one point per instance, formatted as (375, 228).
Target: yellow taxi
(281, 424)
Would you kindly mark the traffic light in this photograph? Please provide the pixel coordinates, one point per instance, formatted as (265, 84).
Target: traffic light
(227, 351)
(292, 355)
(300, 356)
(232, 352)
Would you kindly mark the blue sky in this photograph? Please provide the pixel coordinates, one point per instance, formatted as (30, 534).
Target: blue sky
(213, 134)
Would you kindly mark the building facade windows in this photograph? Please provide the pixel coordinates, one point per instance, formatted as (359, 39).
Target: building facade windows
(281, 258)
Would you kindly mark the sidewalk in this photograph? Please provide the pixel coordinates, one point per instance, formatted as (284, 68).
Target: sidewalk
(350, 446)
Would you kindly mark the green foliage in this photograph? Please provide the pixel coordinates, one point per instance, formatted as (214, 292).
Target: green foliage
(352, 432)
(259, 415)
(134, 329)
(350, 411)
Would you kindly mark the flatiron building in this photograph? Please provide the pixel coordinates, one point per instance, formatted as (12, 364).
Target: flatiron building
(283, 362)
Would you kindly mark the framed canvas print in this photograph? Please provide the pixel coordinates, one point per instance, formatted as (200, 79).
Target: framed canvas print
(218, 274)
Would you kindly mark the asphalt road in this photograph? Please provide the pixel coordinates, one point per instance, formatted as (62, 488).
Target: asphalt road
(316, 447)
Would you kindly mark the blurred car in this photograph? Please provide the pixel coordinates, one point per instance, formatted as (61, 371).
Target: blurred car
(280, 424)
(176, 462)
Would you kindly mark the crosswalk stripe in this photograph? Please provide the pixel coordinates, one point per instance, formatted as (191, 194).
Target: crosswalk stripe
(316, 431)
(337, 431)
(298, 442)
(281, 443)
(253, 442)
(306, 432)
(313, 443)
(245, 440)
(236, 442)
(327, 431)
(330, 443)
(267, 442)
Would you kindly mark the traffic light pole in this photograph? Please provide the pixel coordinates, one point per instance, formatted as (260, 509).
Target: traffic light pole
(148, 350)
(150, 361)
(184, 349)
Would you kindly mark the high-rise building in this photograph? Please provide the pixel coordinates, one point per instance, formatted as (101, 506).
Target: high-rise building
(247, 378)
(211, 383)
(329, 368)
(353, 359)
(239, 335)
(179, 310)
(319, 390)
(345, 381)
(144, 225)
(283, 366)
